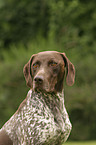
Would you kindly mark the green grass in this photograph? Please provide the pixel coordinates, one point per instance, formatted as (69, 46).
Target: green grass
(81, 143)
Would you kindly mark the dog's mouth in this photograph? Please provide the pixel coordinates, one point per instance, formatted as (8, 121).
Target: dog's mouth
(43, 88)
(38, 88)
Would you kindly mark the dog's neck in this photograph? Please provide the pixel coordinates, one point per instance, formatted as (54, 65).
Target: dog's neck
(51, 99)
(55, 103)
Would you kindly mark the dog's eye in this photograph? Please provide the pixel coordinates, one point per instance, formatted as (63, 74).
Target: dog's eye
(52, 63)
(35, 65)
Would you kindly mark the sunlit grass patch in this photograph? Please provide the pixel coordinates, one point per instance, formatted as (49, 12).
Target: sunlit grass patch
(81, 143)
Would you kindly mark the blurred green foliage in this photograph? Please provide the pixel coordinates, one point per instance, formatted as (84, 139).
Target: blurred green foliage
(28, 27)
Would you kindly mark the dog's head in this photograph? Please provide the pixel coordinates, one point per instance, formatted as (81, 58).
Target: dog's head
(45, 71)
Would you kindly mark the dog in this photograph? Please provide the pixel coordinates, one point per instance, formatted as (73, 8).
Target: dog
(41, 118)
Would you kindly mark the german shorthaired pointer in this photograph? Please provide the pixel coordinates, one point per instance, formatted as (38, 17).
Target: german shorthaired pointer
(42, 119)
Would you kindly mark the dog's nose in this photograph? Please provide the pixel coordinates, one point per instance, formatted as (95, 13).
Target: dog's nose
(38, 79)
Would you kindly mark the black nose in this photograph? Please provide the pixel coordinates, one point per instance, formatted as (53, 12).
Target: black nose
(38, 79)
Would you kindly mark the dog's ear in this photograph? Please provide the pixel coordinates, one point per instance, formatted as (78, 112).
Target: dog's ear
(70, 70)
(28, 73)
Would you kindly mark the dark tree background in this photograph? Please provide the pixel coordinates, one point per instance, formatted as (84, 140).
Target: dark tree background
(28, 27)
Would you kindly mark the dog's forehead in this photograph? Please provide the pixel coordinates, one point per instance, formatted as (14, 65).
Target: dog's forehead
(49, 55)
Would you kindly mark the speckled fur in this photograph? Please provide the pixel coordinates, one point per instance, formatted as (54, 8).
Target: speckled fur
(41, 120)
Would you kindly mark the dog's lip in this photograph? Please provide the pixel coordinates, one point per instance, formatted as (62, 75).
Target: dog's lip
(40, 88)
(43, 88)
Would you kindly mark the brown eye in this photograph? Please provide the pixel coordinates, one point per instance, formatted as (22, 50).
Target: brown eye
(36, 65)
(53, 64)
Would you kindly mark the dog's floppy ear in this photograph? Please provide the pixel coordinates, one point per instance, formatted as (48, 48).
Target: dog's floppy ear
(70, 70)
(28, 73)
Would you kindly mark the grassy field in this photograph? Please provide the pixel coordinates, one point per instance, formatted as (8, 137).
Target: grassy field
(81, 143)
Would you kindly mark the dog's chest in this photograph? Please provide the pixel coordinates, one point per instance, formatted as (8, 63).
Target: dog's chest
(39, 121)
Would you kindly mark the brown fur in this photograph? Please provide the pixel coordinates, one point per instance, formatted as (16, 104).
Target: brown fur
(4, 139)
(52, 82)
